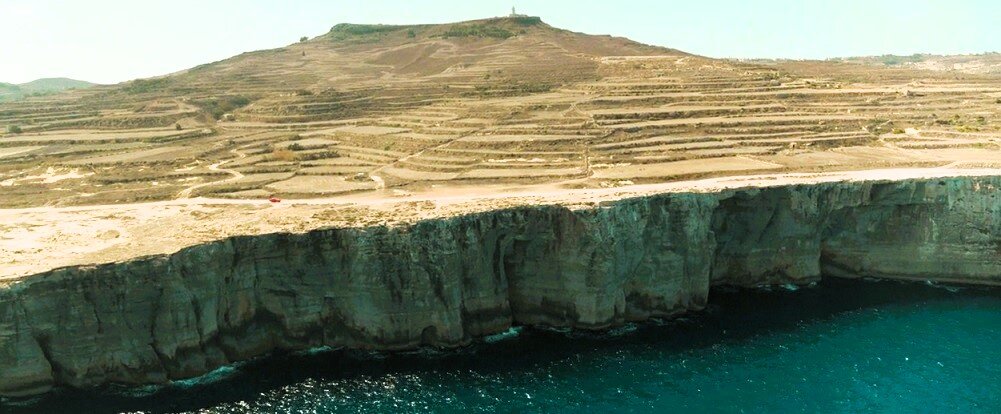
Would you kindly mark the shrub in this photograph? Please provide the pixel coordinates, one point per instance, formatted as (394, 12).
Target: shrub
(13, 129)
(147, 85)
(533, 87)
(346, 30)
(898, 131)
(282, 155)
(527, 20)
(477, 30)
(893, 60)
(303, 39)
(178, 127)
(411, 33)
(316, 155)
(217, 107)
(296, 147)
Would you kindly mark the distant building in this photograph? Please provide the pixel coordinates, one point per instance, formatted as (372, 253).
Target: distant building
(515, 13)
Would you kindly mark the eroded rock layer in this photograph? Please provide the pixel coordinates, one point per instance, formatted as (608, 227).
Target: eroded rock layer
(447, 281)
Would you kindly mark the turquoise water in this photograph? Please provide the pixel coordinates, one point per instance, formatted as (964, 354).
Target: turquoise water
(840, 347)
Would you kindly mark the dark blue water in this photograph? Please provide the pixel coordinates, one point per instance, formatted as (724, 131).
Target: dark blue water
(840, 347)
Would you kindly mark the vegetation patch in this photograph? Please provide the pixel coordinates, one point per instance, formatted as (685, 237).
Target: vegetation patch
(879, 126)
(534, 87)
(477, 30)
(282, 155)
(510, 88)
(526, 20)
(348, 30)
(139, 86)
(217, 107)
(893, 60)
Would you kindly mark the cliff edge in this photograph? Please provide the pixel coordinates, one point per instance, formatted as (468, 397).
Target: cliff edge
(445, 282)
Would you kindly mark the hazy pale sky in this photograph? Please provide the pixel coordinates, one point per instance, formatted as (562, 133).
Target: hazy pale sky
(110, 41)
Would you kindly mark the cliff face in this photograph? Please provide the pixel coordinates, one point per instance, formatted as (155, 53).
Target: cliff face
(445, 282)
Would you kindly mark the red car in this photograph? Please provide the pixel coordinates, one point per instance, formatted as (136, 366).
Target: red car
(274, 199)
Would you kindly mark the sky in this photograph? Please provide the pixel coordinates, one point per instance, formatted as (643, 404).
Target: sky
(110, 41)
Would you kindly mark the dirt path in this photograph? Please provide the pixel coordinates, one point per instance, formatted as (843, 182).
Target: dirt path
(550, 193)
(380, 183)
(236, 175)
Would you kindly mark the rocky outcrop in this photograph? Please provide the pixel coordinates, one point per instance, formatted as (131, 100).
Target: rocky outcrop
(447, 281)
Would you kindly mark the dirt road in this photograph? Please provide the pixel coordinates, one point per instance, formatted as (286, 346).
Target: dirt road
(236, 175)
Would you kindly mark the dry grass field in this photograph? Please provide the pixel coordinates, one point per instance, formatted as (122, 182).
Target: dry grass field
(371, 108)
(508, 105)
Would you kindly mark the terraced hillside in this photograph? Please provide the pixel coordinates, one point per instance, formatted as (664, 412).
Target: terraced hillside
(481, 106)
(983, 63)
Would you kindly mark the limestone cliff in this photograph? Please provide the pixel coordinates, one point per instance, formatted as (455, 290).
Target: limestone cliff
(448, 281)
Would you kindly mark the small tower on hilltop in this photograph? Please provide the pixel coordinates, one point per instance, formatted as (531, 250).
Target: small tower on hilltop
(515, 13)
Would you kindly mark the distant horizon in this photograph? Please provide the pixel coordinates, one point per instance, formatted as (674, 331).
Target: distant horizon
(726, 58)
(49, 39)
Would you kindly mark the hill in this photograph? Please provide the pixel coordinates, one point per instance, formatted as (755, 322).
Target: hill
(10, 92)
(50, 85)
(984, 63)
(482, 106)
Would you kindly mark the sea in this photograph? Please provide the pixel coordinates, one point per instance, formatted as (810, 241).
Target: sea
(839, 346)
